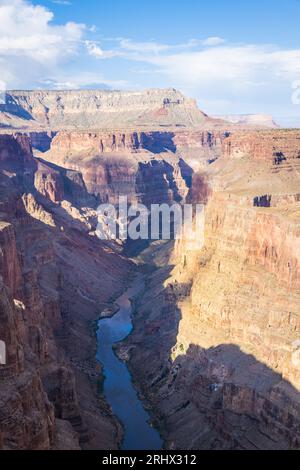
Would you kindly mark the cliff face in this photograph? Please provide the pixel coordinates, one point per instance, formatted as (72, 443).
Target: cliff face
(133, 141)
(143, 165)
(26, 415)
(54, 280)
(96, 109)
(16, 150)
(275, 147)
(224, 322)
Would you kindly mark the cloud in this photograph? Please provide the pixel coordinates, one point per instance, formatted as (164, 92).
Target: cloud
(62, 2)
(237, 66)
(212, 60)
(82, 80)
(257, 77)
(152, 47)
(213, 41)
(95, 50)
(30, 41)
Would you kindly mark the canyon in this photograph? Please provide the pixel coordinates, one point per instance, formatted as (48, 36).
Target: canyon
(214, 352)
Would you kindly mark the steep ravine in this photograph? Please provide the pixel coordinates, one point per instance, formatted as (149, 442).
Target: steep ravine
(119, 391)
(212, 353)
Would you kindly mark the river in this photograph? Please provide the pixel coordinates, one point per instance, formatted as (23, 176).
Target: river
(118, 387)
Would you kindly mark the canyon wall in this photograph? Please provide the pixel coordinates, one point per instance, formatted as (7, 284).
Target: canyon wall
(224, 320)
(96, 109)
(276, 147)
(55, 279)
(145, 166)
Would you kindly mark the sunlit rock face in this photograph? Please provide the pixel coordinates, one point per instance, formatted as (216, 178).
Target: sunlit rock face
(275, 147)
(95, 109)
(225, 319)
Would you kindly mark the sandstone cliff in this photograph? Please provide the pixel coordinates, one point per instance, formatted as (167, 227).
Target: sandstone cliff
(145, 166)
(224, 321)
(54, 281)
(100, 108)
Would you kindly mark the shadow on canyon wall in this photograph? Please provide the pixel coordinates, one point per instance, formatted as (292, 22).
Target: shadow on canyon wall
(206, 398)
(156, 183)
(218, 397)
(15, 109)
(158, 142)
(200, 189)
(71, 182)
(64, 280)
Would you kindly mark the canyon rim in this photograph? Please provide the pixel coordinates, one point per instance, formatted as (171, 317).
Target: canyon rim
(161, 340)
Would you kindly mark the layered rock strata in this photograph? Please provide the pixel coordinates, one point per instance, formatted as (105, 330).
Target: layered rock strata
(57, 110)
(55, 279)
(224, 320)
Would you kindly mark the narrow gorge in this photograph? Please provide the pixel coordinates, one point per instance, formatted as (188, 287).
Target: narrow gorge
(213, 356)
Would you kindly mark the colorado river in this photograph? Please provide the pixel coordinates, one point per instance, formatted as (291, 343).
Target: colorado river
(118, 388)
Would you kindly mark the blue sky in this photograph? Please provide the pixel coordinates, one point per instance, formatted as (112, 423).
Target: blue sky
(233, 57)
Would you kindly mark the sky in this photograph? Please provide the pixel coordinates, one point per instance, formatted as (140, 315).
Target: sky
(232, 57)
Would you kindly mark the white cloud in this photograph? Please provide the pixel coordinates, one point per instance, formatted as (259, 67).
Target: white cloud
(256, 77)
(154, 47)
(62, 2)
(213, 41)
(239, 64)
(95, 50)
(151, 46)
(81, 80)
(29, 41)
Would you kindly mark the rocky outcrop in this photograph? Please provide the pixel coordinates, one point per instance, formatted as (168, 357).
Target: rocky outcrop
(143, 166)
(15, 150)
(275, 147)
(9, 260)
(54, 281)
(68, 143)
(90, 109)
(49, 183)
